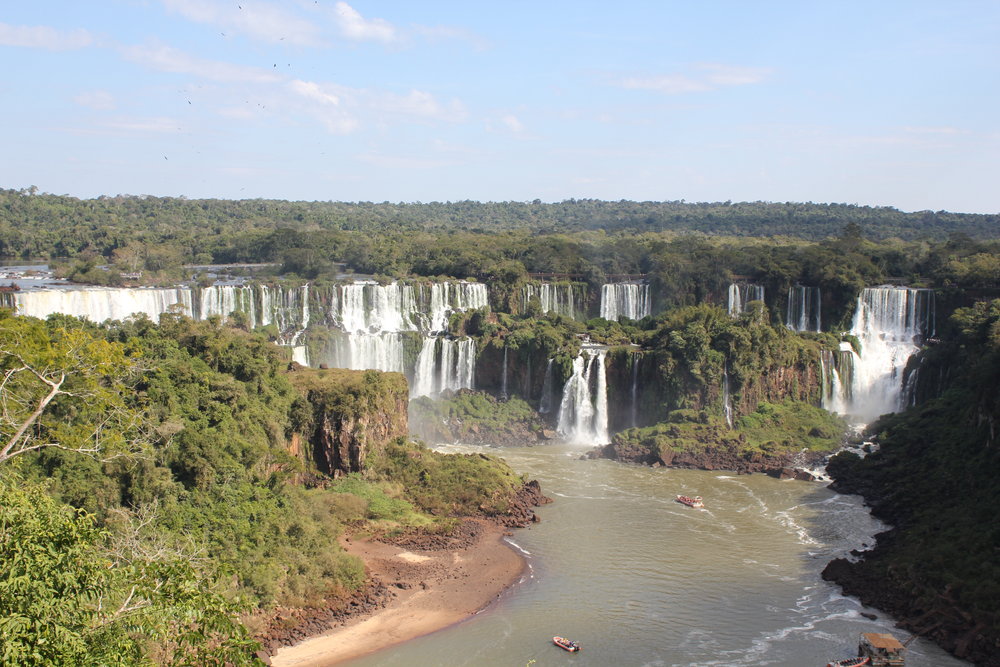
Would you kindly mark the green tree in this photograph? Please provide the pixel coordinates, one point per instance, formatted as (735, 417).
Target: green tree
(70, 595)
(61, 387)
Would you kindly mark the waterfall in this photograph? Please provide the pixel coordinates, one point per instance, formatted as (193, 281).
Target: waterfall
(545, 406)
(629, 300)
(286, 308)
(890, 323)
(444, 364)
(451, 297)
(373, 319)
(740, 294)
(836, 367)
(635, 390)
(558, 298)
(300, 355)
(104, 303)
(803, 312)
(367, 307)
(583, 413)
(727, 399)
(503, 378)
(221, 300)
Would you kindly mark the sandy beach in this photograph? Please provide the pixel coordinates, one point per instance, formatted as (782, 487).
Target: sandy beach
(433, 588)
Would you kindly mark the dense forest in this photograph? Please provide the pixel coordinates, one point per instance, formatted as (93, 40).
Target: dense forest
(175, 230)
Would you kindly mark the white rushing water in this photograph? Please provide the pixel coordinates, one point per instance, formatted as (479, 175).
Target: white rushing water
(559, 298)
(103, 303)
(368, 320)
(629, 300)
(583, 412)
(803, 313)
(890, 323)
(444, 364)
(740, 294)
(374, 319)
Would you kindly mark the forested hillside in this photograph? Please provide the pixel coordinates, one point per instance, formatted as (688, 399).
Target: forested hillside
(45, 225)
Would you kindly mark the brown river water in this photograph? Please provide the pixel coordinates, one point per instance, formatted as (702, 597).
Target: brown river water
(639, 579)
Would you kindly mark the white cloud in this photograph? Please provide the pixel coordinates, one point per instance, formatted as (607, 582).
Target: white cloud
(313, 91)
(421, 104)
(354, 26)
(168, 59)
(512, 123)
(672, 84)
(731, 75)
(44, 37)
(340, 107)
(101, 100)
(327, 103)
(264, 21)
(707, 76)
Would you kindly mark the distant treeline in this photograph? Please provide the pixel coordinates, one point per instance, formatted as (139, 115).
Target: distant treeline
(46, 225)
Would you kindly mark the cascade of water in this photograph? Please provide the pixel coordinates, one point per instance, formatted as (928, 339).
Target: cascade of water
(503, 377)
(300, 355)
(373, 316)
(583, 413)
(367, 307)
(835, 366)
(377, 351)
(740, 294)
(727, 399)
(451, 297)
(890, 323)
(554, 298)
(101, 303)
(909, 398)
(629, 300)
(635, 389)
(545, 406)
(221, 300)
(444, 364)
(803, 312)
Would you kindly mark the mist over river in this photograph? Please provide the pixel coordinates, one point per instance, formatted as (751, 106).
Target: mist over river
(639, 579)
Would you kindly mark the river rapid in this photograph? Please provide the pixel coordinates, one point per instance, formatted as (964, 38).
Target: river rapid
(639, 579)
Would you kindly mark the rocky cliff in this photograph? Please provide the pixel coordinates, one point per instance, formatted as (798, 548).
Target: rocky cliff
(349, 415)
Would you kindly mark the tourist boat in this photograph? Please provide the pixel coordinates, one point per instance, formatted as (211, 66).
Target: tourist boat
(849, 662)
(566, 644)
(693, 502)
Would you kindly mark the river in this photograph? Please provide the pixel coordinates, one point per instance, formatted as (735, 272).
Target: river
(639, 579)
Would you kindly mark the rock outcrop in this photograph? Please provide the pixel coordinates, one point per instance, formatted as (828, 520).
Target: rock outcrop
(705, 447)
(348, 415)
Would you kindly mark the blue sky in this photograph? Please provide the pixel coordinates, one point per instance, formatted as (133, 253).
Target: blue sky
(889, 103)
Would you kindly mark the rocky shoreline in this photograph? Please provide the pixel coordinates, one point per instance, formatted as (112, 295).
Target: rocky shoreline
(875, 580)
(721, 456)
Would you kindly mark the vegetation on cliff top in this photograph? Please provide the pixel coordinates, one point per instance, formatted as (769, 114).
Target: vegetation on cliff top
(774, 430)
